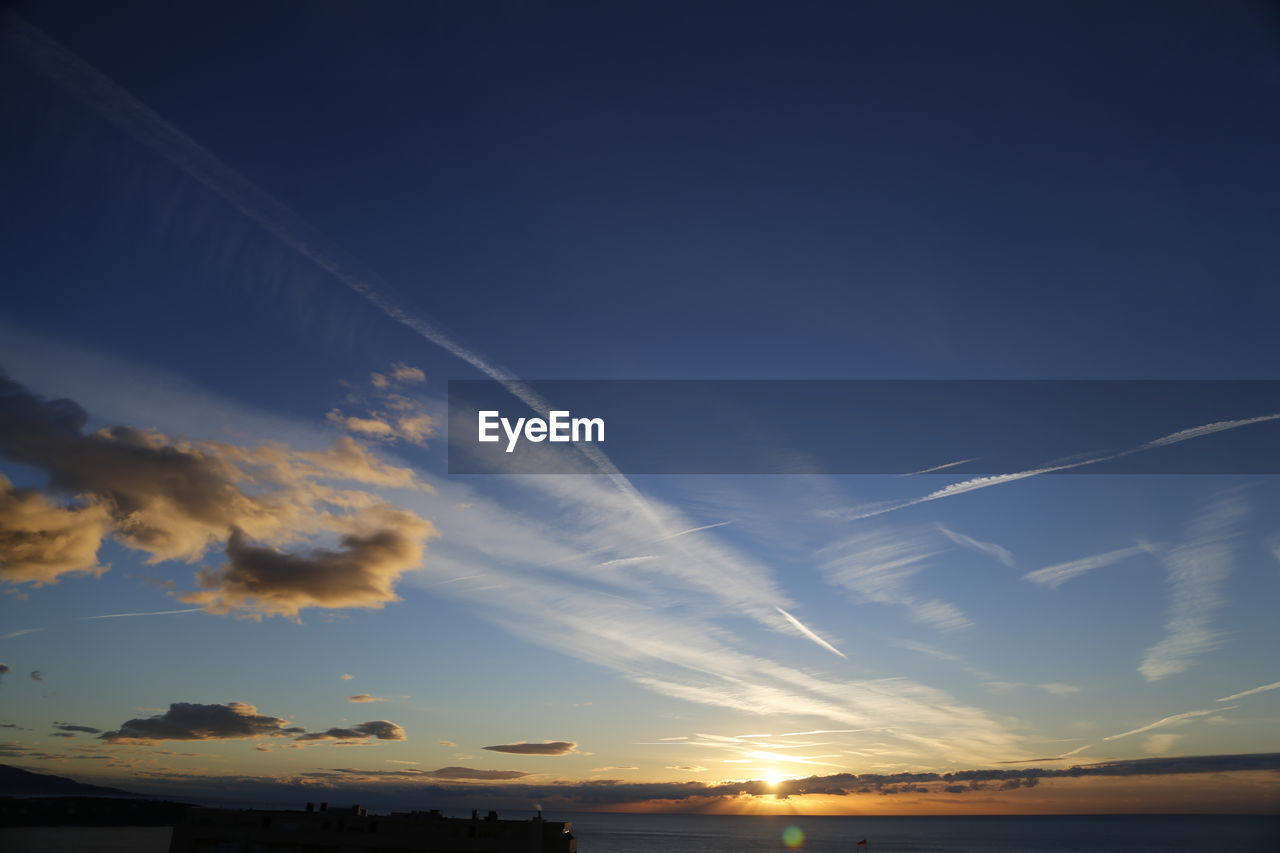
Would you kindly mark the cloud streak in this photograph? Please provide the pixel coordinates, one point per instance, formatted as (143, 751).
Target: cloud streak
(1056, 575)
(877, 567)
(810, 634)
(1196, 571)
(1263, 689)
(966, 486)
(554, 747)
(991, 549)
(1171, 720)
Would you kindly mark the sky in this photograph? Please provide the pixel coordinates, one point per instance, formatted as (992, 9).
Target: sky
(247, 246)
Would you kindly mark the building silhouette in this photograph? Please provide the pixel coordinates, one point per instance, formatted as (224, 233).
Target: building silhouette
(354, 830)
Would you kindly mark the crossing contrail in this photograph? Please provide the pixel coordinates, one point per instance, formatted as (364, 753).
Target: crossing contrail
(73, 75)
(77, 77)
(810, 633)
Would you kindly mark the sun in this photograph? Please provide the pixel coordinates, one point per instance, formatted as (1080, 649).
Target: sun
(772, 777)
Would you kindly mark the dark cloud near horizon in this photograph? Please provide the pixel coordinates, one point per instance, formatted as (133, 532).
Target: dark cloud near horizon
(554, 747)
(379, 729)
(234, 720)
(450, 773)
(68, 727)
(400, 789)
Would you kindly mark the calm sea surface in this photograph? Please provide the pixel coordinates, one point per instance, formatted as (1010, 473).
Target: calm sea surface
(724, 834)
(603, 833)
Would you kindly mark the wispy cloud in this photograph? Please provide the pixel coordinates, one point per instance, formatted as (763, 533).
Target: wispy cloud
(877, 566)
(1062, 757)
(1056, 575)
(626, 561)
(696, 657)
(1171, 720)
(989, 548)
(1207, 429)
(953, 490)
(694, 530)
(1263, 689)
(941, 467)
(1196, 571)
(1160, 744)
(966, 486)
(1054, 687)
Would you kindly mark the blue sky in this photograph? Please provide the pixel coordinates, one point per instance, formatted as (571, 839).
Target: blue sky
(885, 191)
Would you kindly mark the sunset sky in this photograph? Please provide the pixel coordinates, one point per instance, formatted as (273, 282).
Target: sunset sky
(247, 246)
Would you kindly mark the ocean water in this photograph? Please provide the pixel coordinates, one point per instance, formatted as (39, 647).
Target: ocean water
(610, 833)
(599, 833)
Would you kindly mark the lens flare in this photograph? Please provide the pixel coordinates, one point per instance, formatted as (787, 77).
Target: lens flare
(793, 837)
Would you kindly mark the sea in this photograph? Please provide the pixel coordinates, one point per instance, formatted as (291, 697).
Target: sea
(616, 833)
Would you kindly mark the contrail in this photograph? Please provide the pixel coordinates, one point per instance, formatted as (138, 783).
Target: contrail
(808, 632)
(20, 632)
(1207, 429)
(1056, 575)
(938, 467)
(858, 513)
(1263, 689)
(13, 634)
(80, 79)
(74, 75)
(1064, 755)
(1168, 721)
(693, 530)
(151, 613)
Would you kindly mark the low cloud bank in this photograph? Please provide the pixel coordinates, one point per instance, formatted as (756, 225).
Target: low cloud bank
(412, 788)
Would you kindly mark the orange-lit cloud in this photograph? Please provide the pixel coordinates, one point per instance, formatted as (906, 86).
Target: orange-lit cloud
(382, 544)
(174, 499)
(41, 541)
